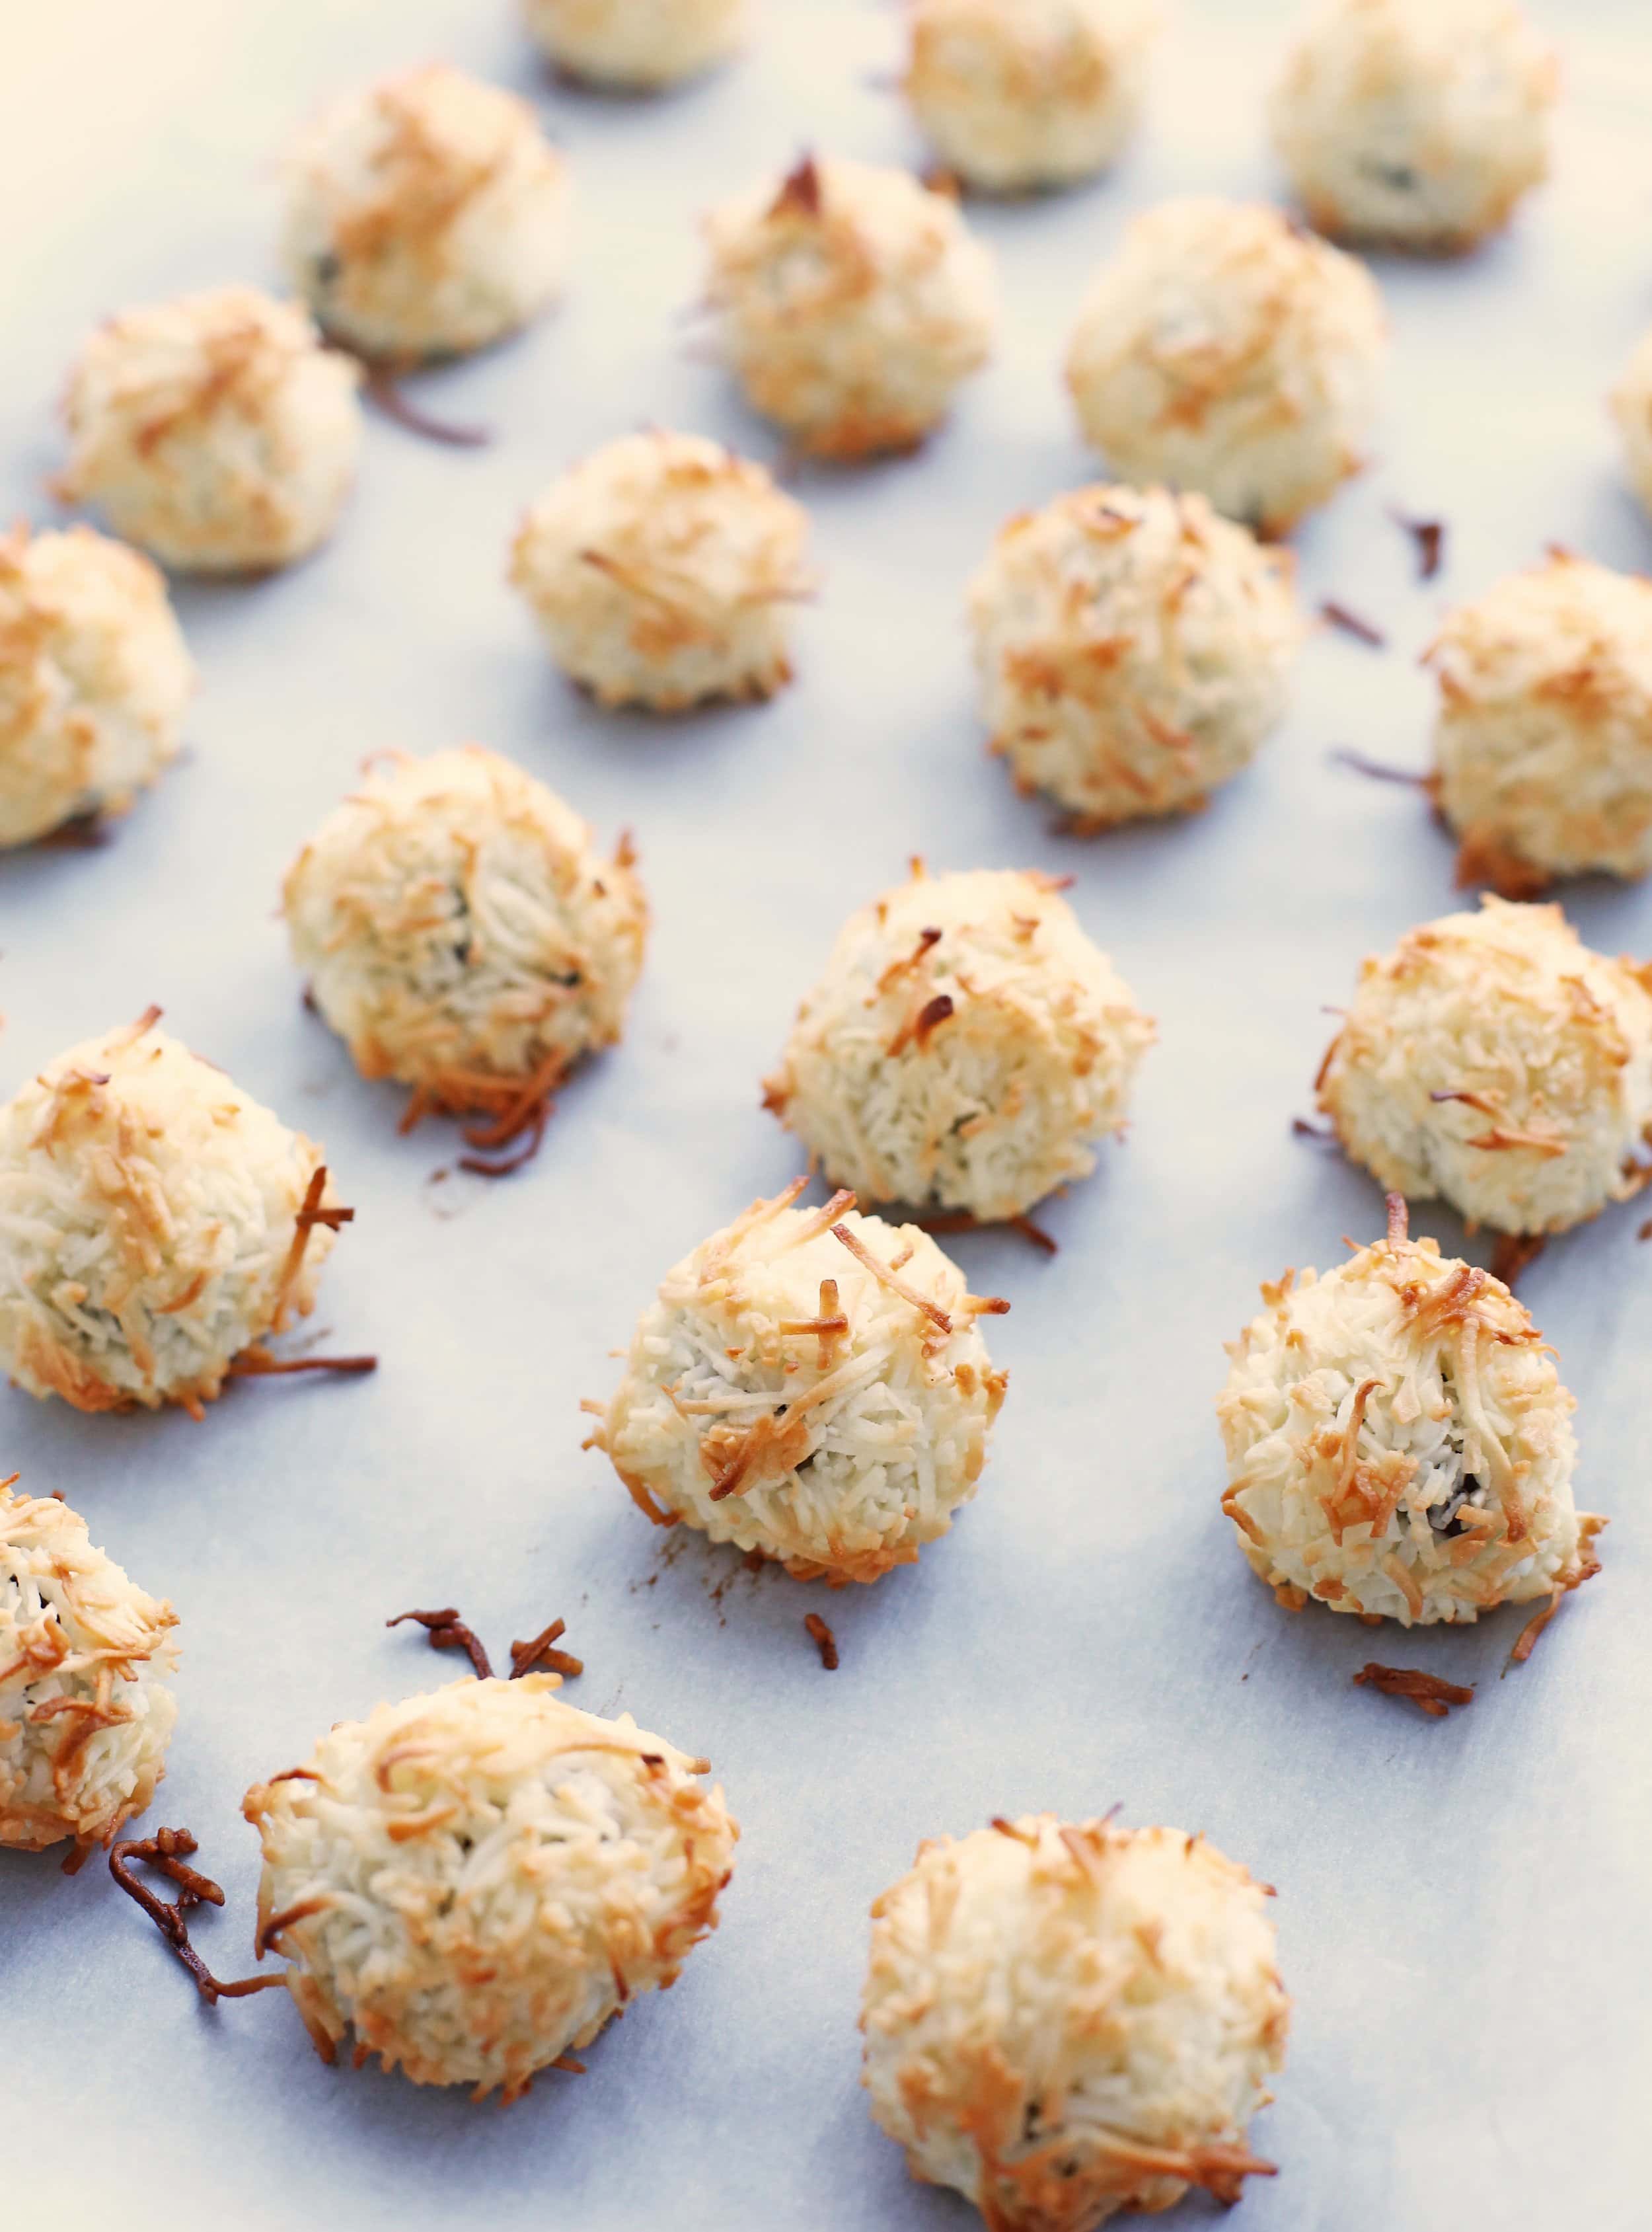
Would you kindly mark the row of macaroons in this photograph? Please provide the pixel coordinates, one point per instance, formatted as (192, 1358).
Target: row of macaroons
(1418, 124)
(1134, 651)
(475, 1881)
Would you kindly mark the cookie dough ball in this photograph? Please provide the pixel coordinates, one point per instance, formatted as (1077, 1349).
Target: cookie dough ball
(1415, 124)
(850, 303)
(662, 570)
(1019, 95)
(1631, 406)
(1133, 649)
(1223, 349)
(155, 1222)
(1064, 2020)
(1399, 1442)
(637, 46)
(475, 1880)
(84, 1718)
(964, 1050)
(1543, 748)
(811, 1385)
(460, 932)
(426, 215)
(94, 680)
(1492, 1061)
(215, 430)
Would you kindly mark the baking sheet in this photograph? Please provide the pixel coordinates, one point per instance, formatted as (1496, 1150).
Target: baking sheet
(1462, 1905)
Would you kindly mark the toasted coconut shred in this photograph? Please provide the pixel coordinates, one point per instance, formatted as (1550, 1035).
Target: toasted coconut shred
(1134, 650)
(637, 45)
(475, 1881)
(426, 215)
(1399, 1442)
(1416, 124)
(85, 1719)
(811, 1385)
(1063, 2021)
(462, 935)
(1225, 350)
(998, 1101)
(1543, 745)
(1493, 1059)
(1015, 95)
(155, 1222)
(215, 431)
(663, 570)
(850, 302)
(94, 680)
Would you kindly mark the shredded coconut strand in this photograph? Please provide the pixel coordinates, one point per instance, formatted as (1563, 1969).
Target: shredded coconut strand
(792, 1391)
(475, 1881)
(84, 1720)
(637, 45)
(1064, 2020)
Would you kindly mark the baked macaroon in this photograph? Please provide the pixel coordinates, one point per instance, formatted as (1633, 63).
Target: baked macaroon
(156, 1223)
(964, 1049)
(215, 430)
(85, 1718)
(1016, 96)
(1134, 650)
(463, 936)
(1226, 350)
(426, 215)
(1415, 124)
(1063, 2020)
(475, 1881)
(850, 302)
(663, 569)
(1631, 408)
(1492, 1061)
(1542, 744)
(1399, 1443)
(637, 46)
(812, 1386)
(94, 680)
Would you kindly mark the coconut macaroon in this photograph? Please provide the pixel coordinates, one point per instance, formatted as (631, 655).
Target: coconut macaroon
(811, 1385)
(850, 303)
(1133, 649)
(1631, 407)
(464, 937)
(662, 569)
(1415, 124)
(1399, 1443)
(637, 46)
(85, 1719)
(94, 679)
(1063, 2020)
(426, 215)
(475, 1881)
(1543, 747)
(1016, 95)
(1223, 349)
(155, 1223)
(215, 430)
(964, 1049)
(1492, 1059)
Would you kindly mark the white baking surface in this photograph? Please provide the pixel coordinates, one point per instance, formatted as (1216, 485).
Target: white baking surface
(1462, 1905)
